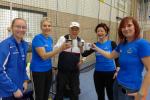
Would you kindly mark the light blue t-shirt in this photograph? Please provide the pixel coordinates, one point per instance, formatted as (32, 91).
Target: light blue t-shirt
(103, 63)
(131, 66)
(37, 63)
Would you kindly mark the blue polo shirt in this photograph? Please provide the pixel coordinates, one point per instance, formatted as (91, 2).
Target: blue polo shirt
(103, 63)
(131, 66)
(37, 63)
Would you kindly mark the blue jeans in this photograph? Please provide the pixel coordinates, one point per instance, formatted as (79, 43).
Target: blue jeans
(120, 92)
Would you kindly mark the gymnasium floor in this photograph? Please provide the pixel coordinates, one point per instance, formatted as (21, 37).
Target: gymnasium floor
(87, 87)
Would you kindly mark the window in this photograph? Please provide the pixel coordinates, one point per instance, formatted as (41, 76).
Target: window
(33, 19)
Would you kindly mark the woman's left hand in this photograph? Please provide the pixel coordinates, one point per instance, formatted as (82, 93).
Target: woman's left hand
(25, 86)
(115, 75)
(116, 72)
(137, 96)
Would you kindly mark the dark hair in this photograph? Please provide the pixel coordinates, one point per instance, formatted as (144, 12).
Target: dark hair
(14, 20)
(104, 26)
(123, 22)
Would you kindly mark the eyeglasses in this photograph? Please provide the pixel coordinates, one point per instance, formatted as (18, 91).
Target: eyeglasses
(20, 27)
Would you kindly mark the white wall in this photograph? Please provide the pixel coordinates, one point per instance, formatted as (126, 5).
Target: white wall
(35, 3)
(104, 11)
(146, 24)
(33, 22)
(89, 8)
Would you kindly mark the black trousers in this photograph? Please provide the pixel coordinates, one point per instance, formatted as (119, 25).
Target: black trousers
(102, 81)
(25, 97)
(72, 80)
(11, 98)
(42, 84)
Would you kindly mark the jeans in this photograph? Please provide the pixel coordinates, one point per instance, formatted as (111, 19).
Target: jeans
(120, 92)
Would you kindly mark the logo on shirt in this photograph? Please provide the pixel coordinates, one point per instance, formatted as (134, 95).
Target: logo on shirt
(12, 46)
(106, 48)
(15, 51)
(129, 51)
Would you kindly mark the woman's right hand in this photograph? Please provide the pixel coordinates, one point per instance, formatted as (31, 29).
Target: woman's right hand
(115, 75)
(137, 96)
(94, 47)
(18, 94)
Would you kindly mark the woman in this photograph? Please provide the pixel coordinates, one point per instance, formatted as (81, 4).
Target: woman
(41, 65)
(104, 68)
(13, 52)
(134, 54)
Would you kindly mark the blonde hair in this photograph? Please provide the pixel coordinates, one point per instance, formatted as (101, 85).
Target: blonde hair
(45, 19)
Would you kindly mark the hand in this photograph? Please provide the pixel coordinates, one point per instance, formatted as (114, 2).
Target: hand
(18, 94)
(65, 46)
(94, 47)
(81, 48)
(80, 63)
(54, 71)
(137, 96)
(80, 45)
(115, 75)
(25, 86)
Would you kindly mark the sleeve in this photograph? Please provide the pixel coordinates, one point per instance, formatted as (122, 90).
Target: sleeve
(117, 49)
(144, 49)
(60, 41)
(6, 83)
(114, 45)
(37, 42)
(87, 52)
